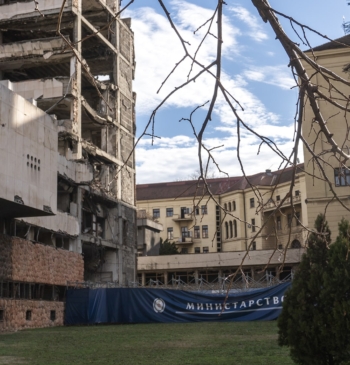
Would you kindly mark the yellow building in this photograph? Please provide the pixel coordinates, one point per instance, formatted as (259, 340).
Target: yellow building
(330, 194)
(241, 214)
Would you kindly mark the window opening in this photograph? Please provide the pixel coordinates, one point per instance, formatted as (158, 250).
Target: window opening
(28, 315)
(197, 233)
(253, 225)
(170, 232)
(205, 232)
(342, 176)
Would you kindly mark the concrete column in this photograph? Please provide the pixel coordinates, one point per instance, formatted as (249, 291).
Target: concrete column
(78, 245)
(143, 279)
(75, 73)
(120, 244)
(165, 277)
(220, 275)
(1, 72)
(196, 276)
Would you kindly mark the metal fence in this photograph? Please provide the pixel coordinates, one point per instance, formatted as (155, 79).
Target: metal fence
(220, 285)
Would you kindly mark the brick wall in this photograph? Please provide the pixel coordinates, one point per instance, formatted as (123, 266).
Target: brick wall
(21, 260)
(14, 314)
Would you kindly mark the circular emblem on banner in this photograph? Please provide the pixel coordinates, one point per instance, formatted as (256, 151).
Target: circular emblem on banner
(158, 305)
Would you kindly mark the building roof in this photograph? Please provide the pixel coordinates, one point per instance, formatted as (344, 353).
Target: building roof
(337, 43)
(218, 186)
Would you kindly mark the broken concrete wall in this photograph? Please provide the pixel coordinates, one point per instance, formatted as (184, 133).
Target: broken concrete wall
(27, 262)
(62, 222)
(27, 9)
(128, 186)
(76, 171)
(108, 271)
(129, 227)
(34, 89)
(128, 250)
(21, 314)
(28, 149)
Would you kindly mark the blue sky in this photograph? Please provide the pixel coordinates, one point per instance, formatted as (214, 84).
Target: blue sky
(254, 70)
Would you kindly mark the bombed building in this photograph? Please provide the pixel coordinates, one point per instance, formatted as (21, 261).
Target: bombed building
(67, 183)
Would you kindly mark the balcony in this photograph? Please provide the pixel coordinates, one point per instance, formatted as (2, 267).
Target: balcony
(183, 217)
(185, 241)
(271, 204)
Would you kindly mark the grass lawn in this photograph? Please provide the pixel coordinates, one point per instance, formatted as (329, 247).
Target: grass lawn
(229, 343)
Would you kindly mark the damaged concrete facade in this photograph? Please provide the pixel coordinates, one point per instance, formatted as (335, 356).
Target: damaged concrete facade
(67, 138)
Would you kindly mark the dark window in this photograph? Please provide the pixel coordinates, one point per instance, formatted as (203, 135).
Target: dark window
(156, 213)
(253, 246)
(231, 229)
(289, 217)
(205, 232)
(169, 212)
(252, 203)
(197, 250)
(253, 225)
(235, 228)
(1, 315)
(170, 232)
(295, 244)
(204, 209)
(185, 211)
(297, 218)
(342, 176)
(278, 198)
(205, 249)
(52, 315)
(28, 315)
(280, 247)
(297, 192)
(197, 233)
(185, 233)
(234, 205)
(225, 206)
(279, 224)
(196, 210)
(229, 206)
(184, 250)
(226, 230)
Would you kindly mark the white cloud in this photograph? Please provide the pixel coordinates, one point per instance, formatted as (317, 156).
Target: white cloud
(279, 76)
(176, 158)
(255, 30)
(157, 51)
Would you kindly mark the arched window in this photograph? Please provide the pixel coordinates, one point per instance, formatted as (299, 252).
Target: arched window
(296, 244)
(229, 206)
(231, 232)
(234, 205)
(235, 228)
(226, 229)
(225, 206)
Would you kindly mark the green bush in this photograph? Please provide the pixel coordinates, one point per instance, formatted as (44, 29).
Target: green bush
(315, 320)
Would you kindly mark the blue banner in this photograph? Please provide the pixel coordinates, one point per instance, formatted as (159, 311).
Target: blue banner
(140, 305)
